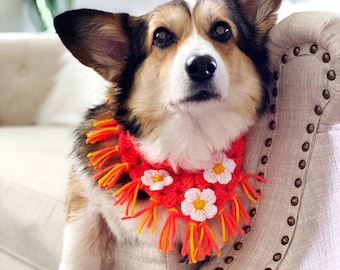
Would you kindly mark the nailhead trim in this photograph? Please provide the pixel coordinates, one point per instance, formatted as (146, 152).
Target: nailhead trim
(298, 182)
(268, 142)
(273, 108)
(264, 160)
(275, 92)
(310, 128)
(277, 257)
(313, 49)
(318, 110)
(326, 94)
(285, 240)
(296, 51)
(294, 201)
(291, 221)
(331, 75)
(252, 212)
(302, 164)
(284, 58)
(326, 58)
(272, 125)
(246, 229)
(229, 260)
(305, 147)
(238, 245)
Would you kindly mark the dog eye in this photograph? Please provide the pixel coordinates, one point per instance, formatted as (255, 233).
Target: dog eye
(163, 38)
(220, 31)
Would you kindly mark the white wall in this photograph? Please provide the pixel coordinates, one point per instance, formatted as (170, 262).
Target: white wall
(135, 7)
(291, 6)
(14, 17)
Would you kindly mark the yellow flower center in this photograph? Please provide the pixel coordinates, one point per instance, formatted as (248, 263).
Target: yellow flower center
(199, 204)
(218, 168)
(158, 178)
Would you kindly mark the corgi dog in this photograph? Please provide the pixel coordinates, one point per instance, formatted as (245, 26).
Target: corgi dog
(186, 80)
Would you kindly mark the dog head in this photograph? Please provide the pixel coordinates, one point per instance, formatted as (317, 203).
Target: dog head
(189, 77)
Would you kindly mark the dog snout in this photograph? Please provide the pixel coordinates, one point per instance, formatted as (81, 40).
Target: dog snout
(200, 68)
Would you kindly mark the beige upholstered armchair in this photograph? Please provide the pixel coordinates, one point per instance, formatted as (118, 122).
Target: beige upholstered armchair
(295, 145)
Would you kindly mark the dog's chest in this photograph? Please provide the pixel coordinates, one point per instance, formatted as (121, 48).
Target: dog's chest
(199, 210)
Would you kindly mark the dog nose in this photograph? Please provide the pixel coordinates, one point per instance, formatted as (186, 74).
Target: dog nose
(200, 68)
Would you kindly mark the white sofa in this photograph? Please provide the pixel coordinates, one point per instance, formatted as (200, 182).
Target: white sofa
(34, 161)
(296, 145)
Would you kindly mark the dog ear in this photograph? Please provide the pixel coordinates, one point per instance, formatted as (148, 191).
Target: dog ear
(96, 39)
(263, 13)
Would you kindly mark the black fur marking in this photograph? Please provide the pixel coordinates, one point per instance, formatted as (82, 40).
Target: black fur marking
(250, 44)
(136, 33)
(66, 24)
(142, 195)
(184, 259)
(80, 148)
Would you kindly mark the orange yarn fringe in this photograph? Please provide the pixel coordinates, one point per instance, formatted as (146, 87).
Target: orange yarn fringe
(199, 240)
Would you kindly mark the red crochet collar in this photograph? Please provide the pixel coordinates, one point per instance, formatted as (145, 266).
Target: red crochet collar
(195, 197)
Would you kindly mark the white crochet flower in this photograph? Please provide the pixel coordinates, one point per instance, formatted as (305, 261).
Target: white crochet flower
(199, 205)
(220, 169)
(157, 179)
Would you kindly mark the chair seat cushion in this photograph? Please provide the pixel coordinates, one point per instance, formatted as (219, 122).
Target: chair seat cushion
(35, 163)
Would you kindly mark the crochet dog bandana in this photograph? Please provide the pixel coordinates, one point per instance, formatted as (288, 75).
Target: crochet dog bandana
(195, 197)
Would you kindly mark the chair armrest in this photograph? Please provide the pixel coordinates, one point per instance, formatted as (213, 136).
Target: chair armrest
(296, 146)
(305, 56)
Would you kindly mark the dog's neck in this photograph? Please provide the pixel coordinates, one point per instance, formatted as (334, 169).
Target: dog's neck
(188, 140)
(192, 197)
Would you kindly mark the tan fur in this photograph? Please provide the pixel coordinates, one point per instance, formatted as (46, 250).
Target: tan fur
(94, 227)
(76, 199)
(145, 100)
(107, 28)
(148, 89)
(262, 13)
(244, 80)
